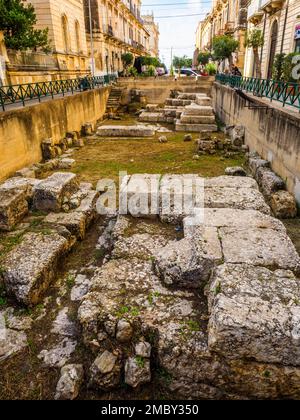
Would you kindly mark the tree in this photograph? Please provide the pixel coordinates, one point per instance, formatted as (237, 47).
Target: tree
(180, 62)
(223, 47)
(150, 61)
(17, 21)
(127, 60)
(255, 39)
(278, 67)
(203, 58)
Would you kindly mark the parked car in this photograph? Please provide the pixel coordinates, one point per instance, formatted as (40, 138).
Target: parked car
(187, 73)
(160, 71)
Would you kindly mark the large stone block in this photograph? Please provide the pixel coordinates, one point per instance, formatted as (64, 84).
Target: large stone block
(75, 222)
(125, 131)
(259, 247)
(269, 182)
(49, 194)
(30, 267)
(197, 119)
(284, 205)
(199, 110)
(236, 198)
(13, 207)
(231, 182)
(255, 314)
(195, 128)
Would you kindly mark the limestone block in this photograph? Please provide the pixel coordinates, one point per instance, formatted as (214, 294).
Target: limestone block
(231, 218)
(65, 163)
(142, 195)
(199, 110)
(255, 314)
(238, 135)
(137, 372)
(25, 173)
(125, 131)
(71, 379)
(50, 193)
(13, 207)
(88, 206)
(31, 266)
(231, 182)
(236, 198)
(75, 222)
(195, 128)
(105, 373)
(269, 182)
(255, 163)
(259, 247)
(203, 101)
(284, 205)
(235, 171)
(188, 263)
(197, 119)
(19, 183)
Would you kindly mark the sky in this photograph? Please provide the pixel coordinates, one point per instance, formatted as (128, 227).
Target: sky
(177, 32)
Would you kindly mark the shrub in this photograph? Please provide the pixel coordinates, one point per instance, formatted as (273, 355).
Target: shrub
(211, 69)
(278, 67)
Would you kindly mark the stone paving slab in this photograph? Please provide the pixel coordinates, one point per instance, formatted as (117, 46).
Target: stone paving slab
(13, 208)
(50, 193)
(255, 314)
(30, 267)
(125, 131)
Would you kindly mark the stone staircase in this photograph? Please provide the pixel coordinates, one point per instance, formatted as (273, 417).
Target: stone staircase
(114, 99)
(198, 116)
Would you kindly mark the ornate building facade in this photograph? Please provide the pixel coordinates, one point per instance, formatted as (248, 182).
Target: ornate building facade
(117, 28)
(279, 21)
(153, 31)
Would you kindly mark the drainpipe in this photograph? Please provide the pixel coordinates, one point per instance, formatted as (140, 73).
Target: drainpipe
(285, 23)
(264, 36)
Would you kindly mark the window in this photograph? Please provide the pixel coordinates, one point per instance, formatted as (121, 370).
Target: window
(77, 33)
(65, 32)
(297, 47)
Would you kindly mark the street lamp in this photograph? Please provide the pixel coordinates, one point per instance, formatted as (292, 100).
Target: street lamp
(92, 40)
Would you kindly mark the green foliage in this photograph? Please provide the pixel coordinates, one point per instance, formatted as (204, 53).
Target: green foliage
(17, 21)
(180, 62)
(278, 67)
(254, 39)
(150, 61)
(150, 72)
(140, 361)
(203, 58)
(288, 67)
(127, 59)
(132, 71)
(224, 46)
(211, 69)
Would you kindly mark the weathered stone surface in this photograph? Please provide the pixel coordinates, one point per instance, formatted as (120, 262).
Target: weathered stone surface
(105, 373)
(124, 331)
(81, 288)
(255, 314)
(50, 193)
(137, 372)
(199, 110)
(30, 267)
(231, 218)
(188, 138)
(66, 163)
(19, 183)
(269, 182)
(88, 207)
(25, 173)
(70, 382)
(143, 349)
(142, 246)
(235, 171)
(125, 131)
(12, 342)
(259, 247)
(197, 119)
(13, 208)
(256, 163)
(231, 182)
(189, 263)
(284, 205)
(238, 135)
(195, 128)
(59, 354)
(236, 198)
(63, 325)
(75, 222)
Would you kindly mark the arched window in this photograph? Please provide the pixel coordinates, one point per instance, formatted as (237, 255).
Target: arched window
(65, 32)
(77, 34)
(273, 45)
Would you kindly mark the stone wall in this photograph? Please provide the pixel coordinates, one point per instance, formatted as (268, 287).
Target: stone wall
(23, 130)
(274, 134)
(157, 90)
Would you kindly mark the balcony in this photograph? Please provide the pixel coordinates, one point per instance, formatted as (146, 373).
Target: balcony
(255, 13)
(229, 28)
(270, 6)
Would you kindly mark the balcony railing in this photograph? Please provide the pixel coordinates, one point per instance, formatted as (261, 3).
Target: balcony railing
(21, 94)
(255, 13)
(270, 5)
(286, 93)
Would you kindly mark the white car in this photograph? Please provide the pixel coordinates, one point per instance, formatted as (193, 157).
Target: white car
(187, 73)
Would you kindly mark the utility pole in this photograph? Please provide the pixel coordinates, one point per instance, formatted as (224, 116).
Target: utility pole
(171, 68)
(92, 40)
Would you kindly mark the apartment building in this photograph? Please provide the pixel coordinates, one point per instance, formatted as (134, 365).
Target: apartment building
(117, 28)
(153, 31)
(279, 21)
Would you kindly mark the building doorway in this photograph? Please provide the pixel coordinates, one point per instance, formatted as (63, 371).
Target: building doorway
(274, 37)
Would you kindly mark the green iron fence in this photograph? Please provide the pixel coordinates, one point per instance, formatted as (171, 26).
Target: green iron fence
(286, 93)
(20, 94)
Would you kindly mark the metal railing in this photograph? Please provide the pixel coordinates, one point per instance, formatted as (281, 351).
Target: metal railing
(21, 94)
(284, 92)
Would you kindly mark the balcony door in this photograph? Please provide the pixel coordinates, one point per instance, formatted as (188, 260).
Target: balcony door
(274, 37)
